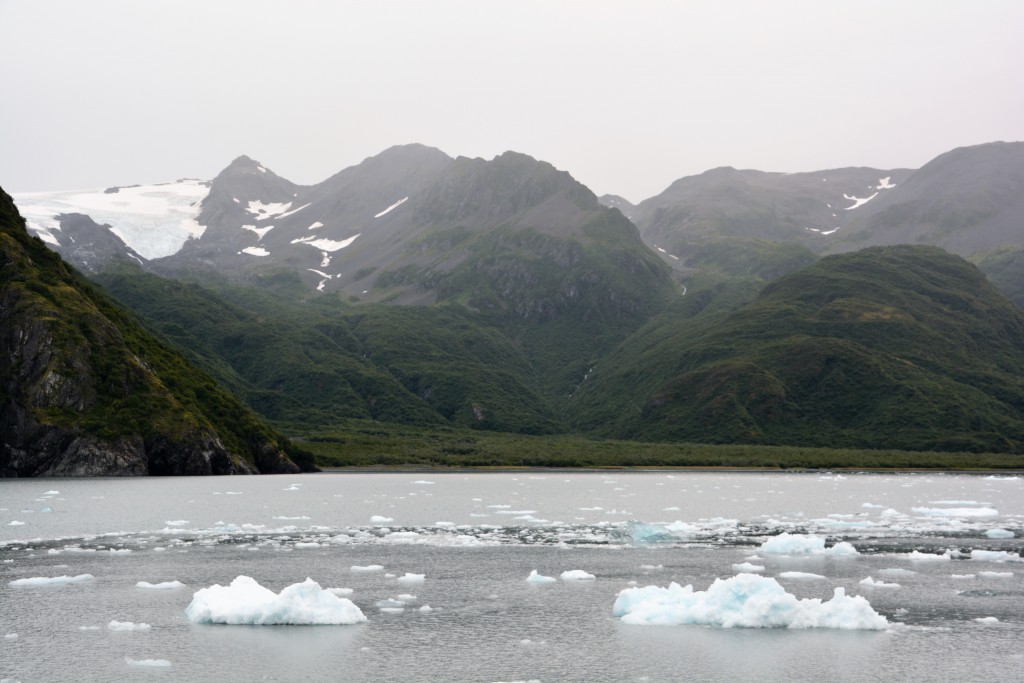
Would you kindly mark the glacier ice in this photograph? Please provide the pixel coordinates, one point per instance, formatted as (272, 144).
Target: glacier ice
(747, 601)
(245, 601)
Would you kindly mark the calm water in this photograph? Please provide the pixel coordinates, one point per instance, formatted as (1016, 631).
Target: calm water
(477, 537)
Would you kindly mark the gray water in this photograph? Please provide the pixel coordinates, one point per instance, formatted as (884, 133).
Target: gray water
(477, 537)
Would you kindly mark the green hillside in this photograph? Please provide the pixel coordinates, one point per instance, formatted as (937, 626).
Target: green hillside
(85, 390)
(899, 347)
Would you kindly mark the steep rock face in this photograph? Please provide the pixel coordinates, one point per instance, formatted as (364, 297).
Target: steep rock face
(85, 392)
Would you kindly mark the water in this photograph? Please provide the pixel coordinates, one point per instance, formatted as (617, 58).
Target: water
(477, 537)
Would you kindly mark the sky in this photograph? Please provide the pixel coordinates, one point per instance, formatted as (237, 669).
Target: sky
(626, 96)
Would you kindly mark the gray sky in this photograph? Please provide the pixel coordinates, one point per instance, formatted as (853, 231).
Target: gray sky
(626, 96)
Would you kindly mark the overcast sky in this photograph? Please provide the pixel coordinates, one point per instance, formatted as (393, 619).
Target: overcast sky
(626, 96)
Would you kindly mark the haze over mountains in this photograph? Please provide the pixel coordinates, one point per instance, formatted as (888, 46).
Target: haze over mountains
(504, 295)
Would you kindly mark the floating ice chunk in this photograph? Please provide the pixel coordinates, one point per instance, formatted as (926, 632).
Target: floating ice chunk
(166, 585)
(956, 512)
(800, 544)
(995, 575)
(307, 544)
(748, 567)
(426, 608)
(15, 522)
(916, 556)
(1000, 533)
(801, 576)
(11, 636)
(146, 662)
(380, 519)
(120, 551)
(389, 602)
(872, 505)
(987, 620)
(292, 518)
(423, 482)
(872, 583)
(341, 592)
(367, 568)
(994, 556)
(963, 576)
(177, 522)
(88, 628)
(247, 602)
(127, 626)
(841, 549)
(52, 581)
(745, 600)
(412, 578)
(534, 577)
(576, 575)
(895, 571)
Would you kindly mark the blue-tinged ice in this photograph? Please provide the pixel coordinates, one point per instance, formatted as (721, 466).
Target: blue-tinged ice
(247, 602)
(744, 601)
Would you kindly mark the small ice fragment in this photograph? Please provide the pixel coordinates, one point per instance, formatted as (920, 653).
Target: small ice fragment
(793, 544)
(996, 575)
(895, 571)
(389, 602)
(341, 592)
(994, 556)
(88, 628)
(801, 576)
(423, 482)
(127, 626)
(842, 549)
(166, 585)
(872, 583)
(534, 577)
(916, 556)
(146, 662)
(367, 568)
(11, 636)
(748, 567)
(426, 608)
(177, 522)
(576, 575)
(987, 620)
(1000, 533)
(406, 597)
(963, 576)
(412, 578)
(956, 512)
(15, 522)
(51, 581)
(380, 519)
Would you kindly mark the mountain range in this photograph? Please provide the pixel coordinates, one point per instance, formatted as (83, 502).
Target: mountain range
(737, 306)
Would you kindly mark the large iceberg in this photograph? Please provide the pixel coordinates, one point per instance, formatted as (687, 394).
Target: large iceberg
(799, 544)
(745, 600)
(247, 602)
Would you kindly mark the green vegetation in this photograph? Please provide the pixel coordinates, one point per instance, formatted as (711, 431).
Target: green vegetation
(1005, 268)
(373, 444)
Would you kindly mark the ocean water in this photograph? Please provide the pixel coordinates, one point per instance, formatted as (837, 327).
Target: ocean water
(476, 537)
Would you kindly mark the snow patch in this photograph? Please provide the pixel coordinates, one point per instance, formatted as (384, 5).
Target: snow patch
(264, 211)
(260, 232)
(392, 207)
(858, 201)
(255, 251)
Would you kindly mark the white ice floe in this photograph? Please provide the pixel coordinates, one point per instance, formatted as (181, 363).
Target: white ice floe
(1000, 533)
(534, 577)
(255, 251)
(874, 583)
(380, 519)
(748, 567)
(745, 600)
(392, 207)
(896, 571)
(366, 568)
(801, 544)
(146, 662)
(963, 576)
(987, 620)
(426, 608)
(576, 575)
(801, 576)
(956, 512)
(341, 592)
(52, 581)
(11, 636)
(15, 522)
(917, 556)
(995, 575)
(164, 585)
(127, 626)
(423, 482)
(177, 522)
(247, 602)
(995, 556)
(408, 578)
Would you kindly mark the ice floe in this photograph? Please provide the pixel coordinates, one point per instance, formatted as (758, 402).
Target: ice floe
(412, 578)
(801, 576)
(146, 662)
(52, 581)
(576, 575)
(245, 601)
(535, 577)
(956, 512)
(870, 582)
(164, 585)
(1000, 533)
(744, 600)
(748, 567)
(995, 556)
(367, 568)
(801, 544)
(127, 626)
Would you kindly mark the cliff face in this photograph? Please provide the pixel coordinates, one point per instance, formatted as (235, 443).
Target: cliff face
(85, 391)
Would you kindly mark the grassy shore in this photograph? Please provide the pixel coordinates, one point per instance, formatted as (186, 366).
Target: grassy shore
(373, 444)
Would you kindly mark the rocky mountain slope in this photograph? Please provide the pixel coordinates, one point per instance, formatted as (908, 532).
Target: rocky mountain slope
(84, 391)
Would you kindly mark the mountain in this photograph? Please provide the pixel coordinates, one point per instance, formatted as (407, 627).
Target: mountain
(86, 391)
(888, 347)
(967, 200)
(1004, 267)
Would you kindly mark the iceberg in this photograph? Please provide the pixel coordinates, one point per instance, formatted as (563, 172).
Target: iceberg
(800, 544)
(576, 575)
(127, 626)
(874, 583)
(245, 601)
(744, 601)
(164, 585)
(146, 662)
(994, 556)
(999, 533)
(534, 577)
(412, 578)
(801, 576)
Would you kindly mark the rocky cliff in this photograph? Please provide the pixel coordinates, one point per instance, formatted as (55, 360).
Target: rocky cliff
(85, 391)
